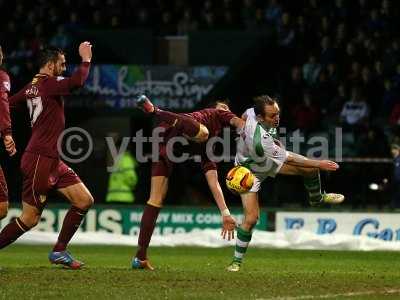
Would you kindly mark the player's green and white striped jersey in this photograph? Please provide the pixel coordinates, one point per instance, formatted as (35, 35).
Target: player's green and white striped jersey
(256, 149)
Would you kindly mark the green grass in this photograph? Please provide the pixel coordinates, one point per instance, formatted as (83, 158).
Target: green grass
(199, 273)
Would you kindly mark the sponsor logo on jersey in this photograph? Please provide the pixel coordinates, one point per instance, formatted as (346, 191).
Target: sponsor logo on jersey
(33, 91)
(59, 78)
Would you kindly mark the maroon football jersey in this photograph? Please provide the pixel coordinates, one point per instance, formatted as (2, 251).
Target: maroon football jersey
(5, 121)
(44, 98)
(214, 119)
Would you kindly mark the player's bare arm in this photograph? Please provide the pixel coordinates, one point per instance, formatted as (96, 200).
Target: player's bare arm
(85, 51)
(237, 122)
(228, 222)
(295, 159)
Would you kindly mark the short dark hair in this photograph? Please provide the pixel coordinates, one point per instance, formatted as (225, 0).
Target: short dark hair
(261, 101)
(215, 103)
(48, 54)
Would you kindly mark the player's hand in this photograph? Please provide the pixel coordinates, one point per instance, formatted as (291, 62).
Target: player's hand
(228, 227)
(85, 51)
(9, 144)
(328, 165)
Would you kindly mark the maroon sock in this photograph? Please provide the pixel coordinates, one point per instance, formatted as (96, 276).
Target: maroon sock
(71, 223)
(11, 232)
(186, 125)
(147, 225)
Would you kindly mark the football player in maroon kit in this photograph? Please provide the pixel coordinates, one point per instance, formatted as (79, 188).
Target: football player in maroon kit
(41, 166)
(214, 120)
(5, 133)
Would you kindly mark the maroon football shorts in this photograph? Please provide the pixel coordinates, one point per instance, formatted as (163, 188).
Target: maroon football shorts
(42, 174)
(162, 166)
(3, 187)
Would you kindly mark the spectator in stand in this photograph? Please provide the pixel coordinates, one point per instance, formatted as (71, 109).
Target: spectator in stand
(354, 76)
(392, 56)
(187, 24)
(286, 33)
(247, 14)
(394, 119)
(97, 19)
(374, 22)
(306, 115)
(61, 39)
(142, 18)
(339, 11)
(395, 182)
(273, 12)
(311, 70)
(396, 78)
(294, 87)
(373, 143)
(332, 74)
(73, 25)
(324, 29)
(335, 106)
(228, 22)
(167, 26)
(340, 37)
(355, 112)
(208, 21)
(390, 99)
(327, 54)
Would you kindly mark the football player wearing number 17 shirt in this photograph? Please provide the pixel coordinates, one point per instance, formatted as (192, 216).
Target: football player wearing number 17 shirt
(41, 166)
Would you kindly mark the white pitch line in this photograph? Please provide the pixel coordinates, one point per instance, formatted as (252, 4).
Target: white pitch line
(326, 296)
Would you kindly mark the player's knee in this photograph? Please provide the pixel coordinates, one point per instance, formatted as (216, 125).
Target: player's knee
(251, 220)
(202, 135)
(30, 220)
(85, 202)
(156, 202)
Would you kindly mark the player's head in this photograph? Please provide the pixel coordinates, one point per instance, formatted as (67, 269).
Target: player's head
(222, 104)
(395, 149)
(267, 110)
(51, 60)
(1, 55)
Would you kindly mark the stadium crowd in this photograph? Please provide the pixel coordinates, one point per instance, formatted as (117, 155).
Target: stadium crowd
(340, 59)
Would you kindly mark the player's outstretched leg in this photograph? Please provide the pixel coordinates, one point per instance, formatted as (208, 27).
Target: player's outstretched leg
(186, 125)
(12, 232)
(312, 183)
(29, 218)
(147, 226)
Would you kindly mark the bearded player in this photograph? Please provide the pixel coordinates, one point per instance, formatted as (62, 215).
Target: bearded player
(41, 166)
(198, 127)
(5, 133)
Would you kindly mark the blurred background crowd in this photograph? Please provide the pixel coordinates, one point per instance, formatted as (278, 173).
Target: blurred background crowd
(339, 61)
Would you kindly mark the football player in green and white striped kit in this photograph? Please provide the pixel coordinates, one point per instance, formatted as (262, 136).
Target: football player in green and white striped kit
(265, 157)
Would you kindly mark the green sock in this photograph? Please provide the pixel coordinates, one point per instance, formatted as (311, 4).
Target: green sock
(243, 238)
(313, 186)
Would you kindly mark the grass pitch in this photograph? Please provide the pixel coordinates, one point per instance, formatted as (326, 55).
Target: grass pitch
(199, 273)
